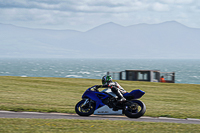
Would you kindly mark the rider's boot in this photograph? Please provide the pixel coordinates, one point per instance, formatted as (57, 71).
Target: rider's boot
(122, 99)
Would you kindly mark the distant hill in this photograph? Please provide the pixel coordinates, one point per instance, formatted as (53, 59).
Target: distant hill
(165, 40)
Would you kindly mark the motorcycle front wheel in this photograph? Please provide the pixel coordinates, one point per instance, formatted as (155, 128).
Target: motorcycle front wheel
(84, 110)
(135, 110)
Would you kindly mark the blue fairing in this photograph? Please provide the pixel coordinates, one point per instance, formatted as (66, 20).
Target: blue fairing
(136, 93)
(93, 95)
(99, 96)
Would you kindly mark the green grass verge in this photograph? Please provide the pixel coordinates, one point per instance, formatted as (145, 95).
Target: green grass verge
(87, 126)
(62, 94)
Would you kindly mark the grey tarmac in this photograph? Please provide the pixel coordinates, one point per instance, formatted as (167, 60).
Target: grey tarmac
(37, 115)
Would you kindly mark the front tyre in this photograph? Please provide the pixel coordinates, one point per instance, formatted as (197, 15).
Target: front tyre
(84, 110)
(135, 110)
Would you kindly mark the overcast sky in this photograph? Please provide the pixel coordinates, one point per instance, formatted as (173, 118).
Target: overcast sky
(83, 15)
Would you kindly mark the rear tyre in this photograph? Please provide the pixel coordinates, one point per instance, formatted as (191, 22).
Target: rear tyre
(135, 110)
(84, 110)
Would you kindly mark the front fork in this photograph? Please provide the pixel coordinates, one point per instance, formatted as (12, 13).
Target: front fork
(86, 101)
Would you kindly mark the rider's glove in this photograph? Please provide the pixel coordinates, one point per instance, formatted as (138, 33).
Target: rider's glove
(98, 86)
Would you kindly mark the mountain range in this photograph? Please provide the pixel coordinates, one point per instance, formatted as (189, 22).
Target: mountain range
(168, 40)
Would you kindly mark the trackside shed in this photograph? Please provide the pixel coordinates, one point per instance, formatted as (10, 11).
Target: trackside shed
(144, 75)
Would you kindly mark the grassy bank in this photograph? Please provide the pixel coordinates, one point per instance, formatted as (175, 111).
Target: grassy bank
(61, 125)
(61, 95)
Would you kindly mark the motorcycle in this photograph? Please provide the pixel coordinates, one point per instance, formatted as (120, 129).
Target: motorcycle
(106, 103)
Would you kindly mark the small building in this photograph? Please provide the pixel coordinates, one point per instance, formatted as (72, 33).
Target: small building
(143, 75)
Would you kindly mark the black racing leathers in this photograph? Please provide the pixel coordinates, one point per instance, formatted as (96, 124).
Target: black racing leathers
(116, 88)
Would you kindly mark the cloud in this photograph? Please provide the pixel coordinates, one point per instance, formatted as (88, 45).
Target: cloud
(160, 7)
(85, 14)
(78, 6)
(179, 1)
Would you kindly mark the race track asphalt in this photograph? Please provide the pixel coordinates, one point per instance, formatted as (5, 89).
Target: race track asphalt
(36, 115)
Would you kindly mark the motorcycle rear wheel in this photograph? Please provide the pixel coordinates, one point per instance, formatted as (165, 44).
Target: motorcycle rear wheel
(84, 110)
(135, 110)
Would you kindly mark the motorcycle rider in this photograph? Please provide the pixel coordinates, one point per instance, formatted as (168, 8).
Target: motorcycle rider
(115, 87)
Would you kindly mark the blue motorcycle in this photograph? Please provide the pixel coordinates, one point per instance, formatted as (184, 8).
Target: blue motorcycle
(106, 103)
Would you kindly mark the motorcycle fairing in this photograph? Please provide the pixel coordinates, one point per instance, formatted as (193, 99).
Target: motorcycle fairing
(102, 103)
(135, 94)
(105, 110)
(95, 96)
(99, 96)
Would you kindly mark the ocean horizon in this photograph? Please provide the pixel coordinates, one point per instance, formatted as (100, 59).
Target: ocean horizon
(186, 70)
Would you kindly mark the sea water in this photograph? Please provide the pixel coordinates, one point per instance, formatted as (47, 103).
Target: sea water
(186, 70)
